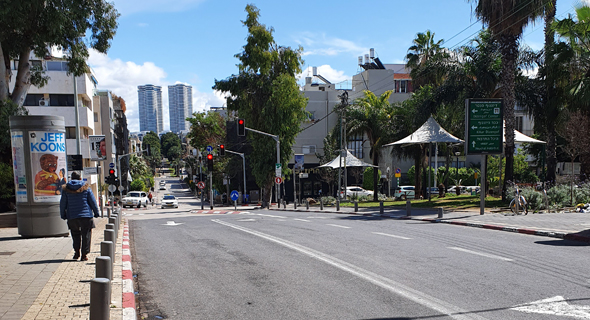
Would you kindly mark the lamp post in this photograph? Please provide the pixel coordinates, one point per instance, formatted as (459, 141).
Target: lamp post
(457, 173)
(388, 183)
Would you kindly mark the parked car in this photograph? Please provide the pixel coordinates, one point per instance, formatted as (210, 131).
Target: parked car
(162, 187)
(356, 191)
(135, 199)
(169, 201)
(433, 190)
(453, 188)
(404, 192)
(470, 189)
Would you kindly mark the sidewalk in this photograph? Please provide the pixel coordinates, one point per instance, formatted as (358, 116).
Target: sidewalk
(39, 280)
(565, 225)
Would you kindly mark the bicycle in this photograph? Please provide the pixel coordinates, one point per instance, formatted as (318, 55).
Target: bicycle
(521, 205)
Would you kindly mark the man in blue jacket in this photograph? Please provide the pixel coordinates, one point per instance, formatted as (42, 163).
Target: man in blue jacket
(77, 205)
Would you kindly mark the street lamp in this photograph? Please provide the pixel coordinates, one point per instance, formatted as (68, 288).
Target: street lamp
(388, 183)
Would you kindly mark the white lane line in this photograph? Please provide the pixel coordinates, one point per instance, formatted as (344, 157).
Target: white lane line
(301, 220)
(383, 282)
(337, 225)
(481, 254)
(391, 235)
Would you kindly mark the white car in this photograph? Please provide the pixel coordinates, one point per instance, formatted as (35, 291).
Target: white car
(169, 201)
(404, 192)
(356, 191)
(135, 199)
(162, 187)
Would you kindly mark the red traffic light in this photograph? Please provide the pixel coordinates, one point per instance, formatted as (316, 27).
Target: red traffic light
(209, 157)
(241, 121)
(112, 172)
(222, 146)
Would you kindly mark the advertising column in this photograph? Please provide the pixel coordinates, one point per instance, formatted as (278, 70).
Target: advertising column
(40, 173)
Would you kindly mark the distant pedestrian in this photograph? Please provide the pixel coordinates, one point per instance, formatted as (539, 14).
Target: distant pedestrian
(150, 196)
(77, 205)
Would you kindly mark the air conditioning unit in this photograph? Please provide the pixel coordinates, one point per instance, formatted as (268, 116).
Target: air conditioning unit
(43, 103)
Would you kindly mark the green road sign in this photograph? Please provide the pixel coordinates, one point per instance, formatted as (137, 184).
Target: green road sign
(484, 126)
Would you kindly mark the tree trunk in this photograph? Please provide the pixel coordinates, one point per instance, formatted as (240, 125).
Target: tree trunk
(508, 49)
(4, 75)
(375, 174)
(23, 78)
(267, 196)
(550, 103)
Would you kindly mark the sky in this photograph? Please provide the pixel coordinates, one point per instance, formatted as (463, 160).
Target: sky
(164, 42)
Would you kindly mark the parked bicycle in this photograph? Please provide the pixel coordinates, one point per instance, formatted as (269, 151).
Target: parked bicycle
(520, 206)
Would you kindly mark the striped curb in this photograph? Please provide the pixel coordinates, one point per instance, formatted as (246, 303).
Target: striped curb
(218, 212)
(128, 292)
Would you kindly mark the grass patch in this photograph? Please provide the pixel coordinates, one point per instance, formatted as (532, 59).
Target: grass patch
(450, 202)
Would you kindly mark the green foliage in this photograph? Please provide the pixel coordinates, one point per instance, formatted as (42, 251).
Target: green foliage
(152, 139)
(329, 201)
(137, 185)
(368, 175)
(171, 145)
(7, 109)
(207, 129)
(265, 93)
(6, 182)
(523, 173)
(35, 26)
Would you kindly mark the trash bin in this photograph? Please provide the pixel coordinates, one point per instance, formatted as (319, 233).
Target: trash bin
(247, 200)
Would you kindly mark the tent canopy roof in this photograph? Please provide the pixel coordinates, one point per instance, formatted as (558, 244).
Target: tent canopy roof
(351, 161)
(429, 132)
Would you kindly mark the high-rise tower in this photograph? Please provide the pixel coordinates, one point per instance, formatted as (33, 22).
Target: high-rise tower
(150, 108)
(180, 104)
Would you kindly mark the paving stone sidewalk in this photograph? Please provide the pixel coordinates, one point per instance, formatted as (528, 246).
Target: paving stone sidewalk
(39, 280)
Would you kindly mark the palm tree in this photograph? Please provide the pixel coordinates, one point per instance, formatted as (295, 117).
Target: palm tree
(507, 19)
(421, 54)
(370, 115)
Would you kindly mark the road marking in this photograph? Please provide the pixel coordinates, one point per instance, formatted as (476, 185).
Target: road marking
(301, 220)
(481, 254)
(314, 217)
(555, 306)
(246, 220)
(391, 235)
(337, 225)
(383, 282)
(172, 223)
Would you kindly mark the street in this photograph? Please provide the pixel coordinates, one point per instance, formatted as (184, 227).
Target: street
(296, 265)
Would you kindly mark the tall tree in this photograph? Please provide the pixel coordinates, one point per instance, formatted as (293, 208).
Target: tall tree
(171, 142)
(207, 129)
(37, 25)
(551, 106)
(370, 115)
(507, 19)
(151, 139)
(424, 58)
(266, 95)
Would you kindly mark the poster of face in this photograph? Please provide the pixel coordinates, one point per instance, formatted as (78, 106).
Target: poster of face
(98, 148)
(49, 165)
(18, 165)
(299, 161)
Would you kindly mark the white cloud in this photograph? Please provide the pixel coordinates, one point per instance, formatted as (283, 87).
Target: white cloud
(123, 77)
(127, 7)
(326, 71)
(320, 44)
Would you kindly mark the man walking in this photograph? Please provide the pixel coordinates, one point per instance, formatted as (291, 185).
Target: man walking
(77, 205)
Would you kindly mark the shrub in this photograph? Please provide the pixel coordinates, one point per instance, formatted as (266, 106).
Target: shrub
(329, 201)
(137, 185)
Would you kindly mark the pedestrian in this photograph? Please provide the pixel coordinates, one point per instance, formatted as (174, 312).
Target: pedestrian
(77, 206)
(150, 197)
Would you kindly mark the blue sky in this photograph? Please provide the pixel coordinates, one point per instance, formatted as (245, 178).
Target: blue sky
(194, 41)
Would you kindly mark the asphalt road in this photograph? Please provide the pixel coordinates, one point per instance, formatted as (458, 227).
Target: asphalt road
(289, 265)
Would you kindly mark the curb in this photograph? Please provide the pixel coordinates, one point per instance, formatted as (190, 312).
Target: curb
(128, 292)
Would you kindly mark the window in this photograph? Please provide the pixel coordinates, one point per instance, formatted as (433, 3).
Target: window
(317, 188)
(70, 132)
(96, 117)
(403, 86)
(62, 100)
(355, 145)
(33, 99)
(57, 66)
(307, 189)
(310, 115)
(518, 124)
(308, 149)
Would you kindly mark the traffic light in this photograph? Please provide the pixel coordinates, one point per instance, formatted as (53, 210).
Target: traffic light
(241, 128)
(110, 179)
(210, 162)
(222, 150)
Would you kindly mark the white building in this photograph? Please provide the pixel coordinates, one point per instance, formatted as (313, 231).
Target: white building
(180, 106)
(150, 108)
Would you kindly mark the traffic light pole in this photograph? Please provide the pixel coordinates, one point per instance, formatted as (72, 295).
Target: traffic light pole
(243, 166)
(211, 190)
(276, 137)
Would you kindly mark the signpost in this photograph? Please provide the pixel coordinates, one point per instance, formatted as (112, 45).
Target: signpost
(209, 148)
(111, 165)
(484, 131)
(234, 195)
(278, 170)
(278, 180)
(484, 126)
